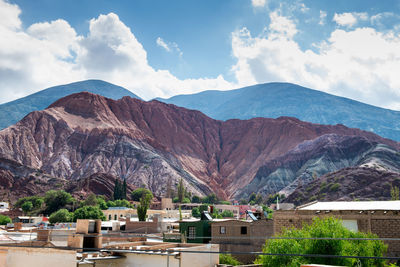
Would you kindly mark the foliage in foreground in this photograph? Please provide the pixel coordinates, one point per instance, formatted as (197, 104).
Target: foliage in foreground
(4, 219)
(228, 259)
(328, 227)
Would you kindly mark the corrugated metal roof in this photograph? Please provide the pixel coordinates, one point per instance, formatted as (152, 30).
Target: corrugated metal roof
(353, 205)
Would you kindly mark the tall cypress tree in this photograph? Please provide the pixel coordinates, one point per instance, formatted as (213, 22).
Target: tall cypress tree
(117, 190)
(124, 189)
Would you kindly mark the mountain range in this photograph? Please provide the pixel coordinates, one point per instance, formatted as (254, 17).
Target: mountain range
(156, 144)
(12, 112)
(273, 100)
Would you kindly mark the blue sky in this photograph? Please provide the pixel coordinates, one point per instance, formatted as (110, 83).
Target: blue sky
(163, 48)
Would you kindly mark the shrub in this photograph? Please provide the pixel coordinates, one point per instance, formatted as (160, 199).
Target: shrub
(62, 215)
(4, 219)
(328, 227)
(228, 259)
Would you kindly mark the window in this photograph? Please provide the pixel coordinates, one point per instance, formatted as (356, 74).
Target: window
(243, 230)
(352, 225)
(222, 230)
(109, 217)
(115, 216)
(191, 232)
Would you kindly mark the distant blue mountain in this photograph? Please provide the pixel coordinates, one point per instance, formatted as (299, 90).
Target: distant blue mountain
(273, 100)
(12, 112)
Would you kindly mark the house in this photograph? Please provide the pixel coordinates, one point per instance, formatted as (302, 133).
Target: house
(114, 213)
(4, 206)
(378, 217)
(241, 236)
(195, 230)
(33, 220)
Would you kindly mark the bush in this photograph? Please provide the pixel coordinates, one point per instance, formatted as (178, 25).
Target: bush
(196, 212)
(328, 227)
(89, 212)
(196, 199)
(62, 215)
(4, 219)
(228, 259)
(227, 214)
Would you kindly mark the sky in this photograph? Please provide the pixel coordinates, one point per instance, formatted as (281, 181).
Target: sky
(158, 48)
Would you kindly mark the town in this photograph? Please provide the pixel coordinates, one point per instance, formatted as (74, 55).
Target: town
(169, 231)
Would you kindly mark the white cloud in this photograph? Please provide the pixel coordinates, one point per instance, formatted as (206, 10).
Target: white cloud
(349, 19)
(322, 17)
(9, 15)
(258, 3)
(361, 64)
(51, 53)
(169, 46)
(281, 26)
(160, 42)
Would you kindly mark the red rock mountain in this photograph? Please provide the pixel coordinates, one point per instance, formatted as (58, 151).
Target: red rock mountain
(155, 144)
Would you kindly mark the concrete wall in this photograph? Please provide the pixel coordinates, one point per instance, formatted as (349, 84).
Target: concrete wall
(151, 260)
(200, 259)
(36, 257)
(384, 224)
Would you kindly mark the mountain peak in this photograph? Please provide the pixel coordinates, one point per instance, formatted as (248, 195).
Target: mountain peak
(12, 112)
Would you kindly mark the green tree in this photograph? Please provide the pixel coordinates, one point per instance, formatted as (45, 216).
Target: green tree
(227, 214)
(124, 186)
(228, 260)
(322, 228)
(196, 199)
(27, 207)
(252, 197)
(36, 201)
(56, 200)
(196, 212)
(89, 212)
(243, 201)
(210, 199)
(62, 215)
(102, 203)
(394, 192)
(118, 190)
(137, 194)
(4, 219)
(91, 200)
(181, 191)
(145, 201)
(203, 208)
(186, 200)
(224, 202)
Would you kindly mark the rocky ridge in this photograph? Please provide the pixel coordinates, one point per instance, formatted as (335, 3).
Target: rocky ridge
(156, 144)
